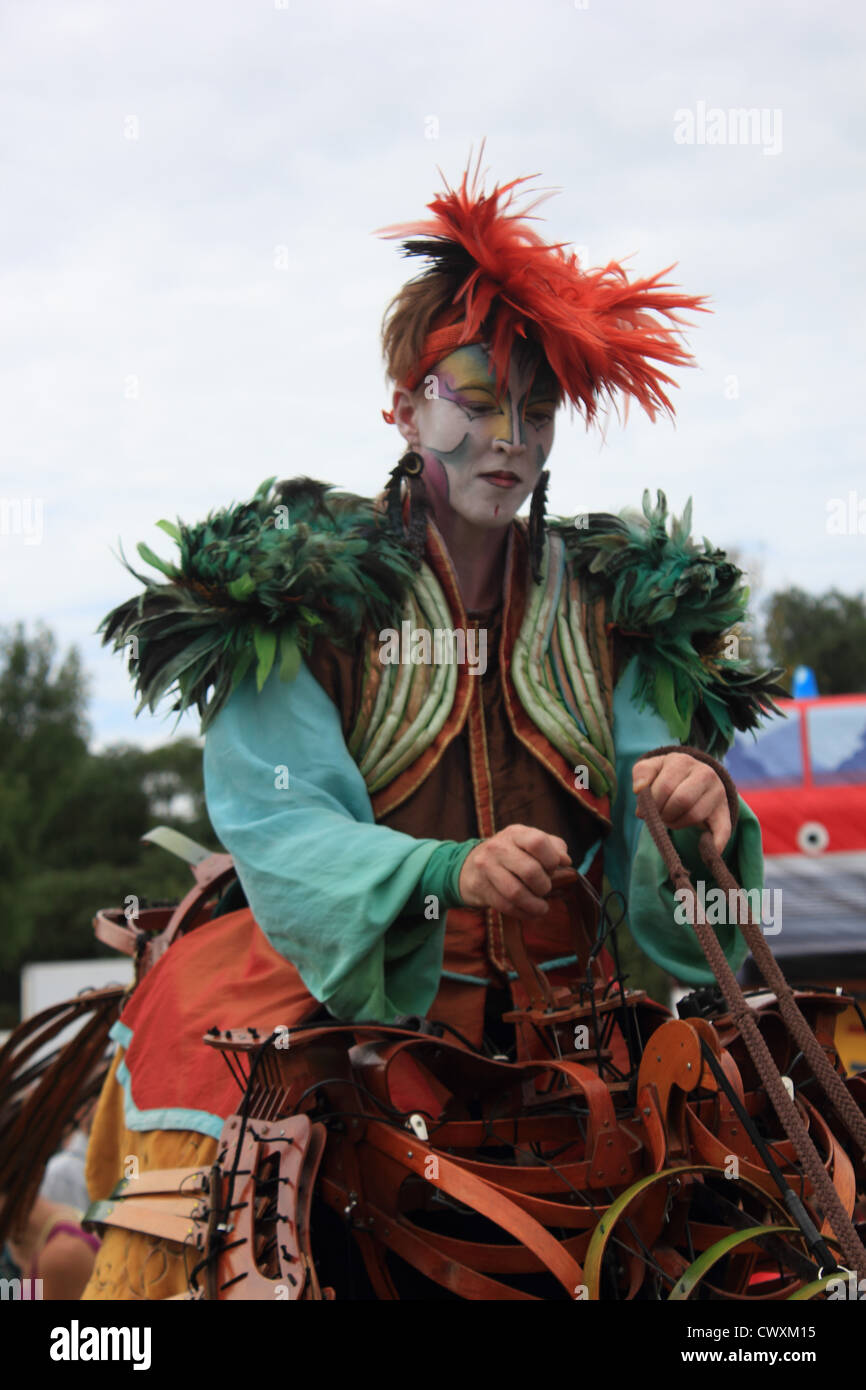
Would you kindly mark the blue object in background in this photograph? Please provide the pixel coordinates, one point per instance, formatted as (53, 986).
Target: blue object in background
(804, 683)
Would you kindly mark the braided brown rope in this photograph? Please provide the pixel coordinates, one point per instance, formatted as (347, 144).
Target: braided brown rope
(743, 1016)
(828, 1078)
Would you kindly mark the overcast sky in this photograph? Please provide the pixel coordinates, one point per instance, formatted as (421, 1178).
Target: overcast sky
(190, 294)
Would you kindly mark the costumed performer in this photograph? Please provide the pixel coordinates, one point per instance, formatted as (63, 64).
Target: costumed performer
(386, 803)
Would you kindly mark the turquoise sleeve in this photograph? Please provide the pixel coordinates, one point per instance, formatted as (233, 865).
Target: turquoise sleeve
(633, 865)
(333, 891)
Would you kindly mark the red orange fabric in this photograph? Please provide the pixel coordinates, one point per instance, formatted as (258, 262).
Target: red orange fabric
(225, 974)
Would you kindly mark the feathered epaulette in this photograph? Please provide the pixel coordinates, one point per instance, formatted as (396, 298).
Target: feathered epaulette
(677, 608)
(257, 582)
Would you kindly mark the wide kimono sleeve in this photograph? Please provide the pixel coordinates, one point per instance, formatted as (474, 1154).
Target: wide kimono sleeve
(633, 865)
(328, 886)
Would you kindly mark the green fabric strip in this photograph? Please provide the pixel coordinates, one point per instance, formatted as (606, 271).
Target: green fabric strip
(539, 696)
(439, 683)
(558, 964)
(164, 1117)
(441, 876)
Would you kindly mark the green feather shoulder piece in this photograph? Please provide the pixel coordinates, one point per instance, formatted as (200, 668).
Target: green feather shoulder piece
(256, 583)
(676, 607)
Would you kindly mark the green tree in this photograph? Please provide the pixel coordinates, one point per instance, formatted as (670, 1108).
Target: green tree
(752, 647)
(71, 820)
(824, 631)
(43, 738)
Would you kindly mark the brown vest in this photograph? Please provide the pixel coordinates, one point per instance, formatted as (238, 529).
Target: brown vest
(489, 766)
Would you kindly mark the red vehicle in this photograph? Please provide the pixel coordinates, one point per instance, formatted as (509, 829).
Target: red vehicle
(804, 776)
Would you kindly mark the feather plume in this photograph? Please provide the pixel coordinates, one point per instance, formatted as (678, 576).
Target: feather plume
(675, 606)
(255, 584)
(602, 334)
(252, 587)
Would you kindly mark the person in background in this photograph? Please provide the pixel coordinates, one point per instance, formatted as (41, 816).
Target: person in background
(52, 1246)
(64, 1180)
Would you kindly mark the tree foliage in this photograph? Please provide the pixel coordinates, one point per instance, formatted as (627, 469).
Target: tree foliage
(824, 631)
(71, 819)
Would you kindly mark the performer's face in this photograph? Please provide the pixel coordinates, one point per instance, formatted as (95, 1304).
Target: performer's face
(483, 453)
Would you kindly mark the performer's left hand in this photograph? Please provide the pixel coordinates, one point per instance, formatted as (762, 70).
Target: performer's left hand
(687, 792)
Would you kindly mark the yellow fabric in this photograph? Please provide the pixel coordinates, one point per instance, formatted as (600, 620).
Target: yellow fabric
(130, 1265)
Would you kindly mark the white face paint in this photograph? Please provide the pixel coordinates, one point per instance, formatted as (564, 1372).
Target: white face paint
(483, 454)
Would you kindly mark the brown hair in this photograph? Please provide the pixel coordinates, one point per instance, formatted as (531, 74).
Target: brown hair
(411, 314)
(409, 318)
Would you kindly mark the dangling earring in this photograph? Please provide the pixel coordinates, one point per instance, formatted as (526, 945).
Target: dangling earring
(410, 467)
(536, 525)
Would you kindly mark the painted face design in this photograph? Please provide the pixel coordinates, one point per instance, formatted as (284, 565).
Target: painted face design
(483, 454)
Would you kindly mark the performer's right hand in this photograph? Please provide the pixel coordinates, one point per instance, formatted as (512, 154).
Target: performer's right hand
(512, 871)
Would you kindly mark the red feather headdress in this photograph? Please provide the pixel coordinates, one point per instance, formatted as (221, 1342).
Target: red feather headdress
(597, 329)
